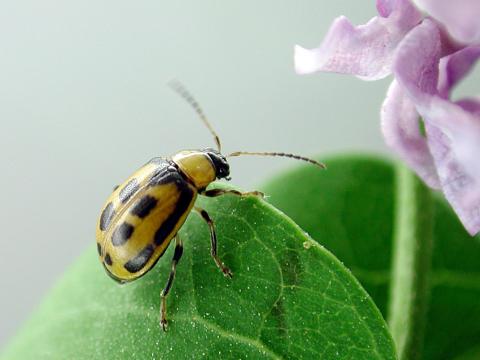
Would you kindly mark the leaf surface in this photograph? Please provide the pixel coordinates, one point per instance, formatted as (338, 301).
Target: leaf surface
(289, 298)
(350, 208)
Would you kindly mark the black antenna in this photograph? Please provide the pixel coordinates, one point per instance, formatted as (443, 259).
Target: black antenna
(293, 156)
(180, 89)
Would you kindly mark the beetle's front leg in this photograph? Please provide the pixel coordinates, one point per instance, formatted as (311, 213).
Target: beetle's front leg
(213, 240)
(220, 192)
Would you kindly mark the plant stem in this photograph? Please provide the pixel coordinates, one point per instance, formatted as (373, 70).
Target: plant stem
(411, 264)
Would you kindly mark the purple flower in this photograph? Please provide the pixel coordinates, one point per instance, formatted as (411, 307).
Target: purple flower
(460, 17)
(366, 50)
(428, 57)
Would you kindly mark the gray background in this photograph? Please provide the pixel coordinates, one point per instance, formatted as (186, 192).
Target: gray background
(83, 103)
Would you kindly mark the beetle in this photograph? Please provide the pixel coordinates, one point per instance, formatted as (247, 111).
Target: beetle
(143, 215)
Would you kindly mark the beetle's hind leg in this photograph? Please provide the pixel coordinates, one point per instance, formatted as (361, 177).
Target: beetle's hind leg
(213, 240)
(176, 257)
(220, 192)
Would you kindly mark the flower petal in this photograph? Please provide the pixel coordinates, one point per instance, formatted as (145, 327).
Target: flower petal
(453, 132)
(460, 17)
(472, 105)
(366, 50)
(460, 188)
(401, 129)
(455, 67)
(416, 62)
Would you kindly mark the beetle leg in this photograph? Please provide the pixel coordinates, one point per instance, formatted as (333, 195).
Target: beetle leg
(176, 257)
(213, 240)
(220, 192)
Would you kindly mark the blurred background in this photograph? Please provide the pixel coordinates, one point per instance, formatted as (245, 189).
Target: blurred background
(84, 102)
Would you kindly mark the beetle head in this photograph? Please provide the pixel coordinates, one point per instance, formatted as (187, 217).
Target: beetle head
(222, 169)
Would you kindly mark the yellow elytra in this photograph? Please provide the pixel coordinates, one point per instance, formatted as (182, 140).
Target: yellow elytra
(144, 214)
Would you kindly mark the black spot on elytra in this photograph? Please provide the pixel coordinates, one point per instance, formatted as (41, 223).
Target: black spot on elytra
(161, 166)
(186, 195)
(99, 249)
(167, 174)
(106, 217)
(128, 190)
(143, 206)
(138, 262)
(108, 260)
(162, 178)
(122, 233)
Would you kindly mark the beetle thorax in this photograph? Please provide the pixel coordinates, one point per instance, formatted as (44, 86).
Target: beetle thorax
(196, 166)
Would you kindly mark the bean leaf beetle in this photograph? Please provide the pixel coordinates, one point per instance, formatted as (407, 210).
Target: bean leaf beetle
(144, 214)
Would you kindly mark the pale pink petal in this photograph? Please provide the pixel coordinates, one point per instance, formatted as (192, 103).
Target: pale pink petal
(401, 129)
(455, 67)
(402, 12)
(366, 50)
(453, 132)
(460, 17)
(472, 105)
(385, 7)
(463, 129)
(460, 188)
(416, 65)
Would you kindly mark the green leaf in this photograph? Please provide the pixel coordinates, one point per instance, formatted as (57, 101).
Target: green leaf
(289, 298)
(411, 263)
(350, 209)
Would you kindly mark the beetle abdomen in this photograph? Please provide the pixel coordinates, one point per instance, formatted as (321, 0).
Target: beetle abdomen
(137, 231)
